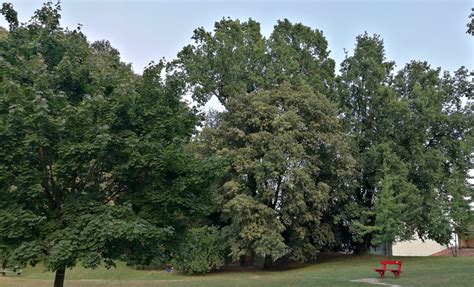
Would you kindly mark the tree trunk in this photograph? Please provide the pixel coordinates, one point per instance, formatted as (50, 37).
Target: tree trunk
(247, 260)
(242, 260)
(362, 248)
(268, 262)
(389, 249)
(59, 278)
(455, 246)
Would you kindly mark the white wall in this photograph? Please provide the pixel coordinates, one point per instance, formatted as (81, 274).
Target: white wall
(416, 248)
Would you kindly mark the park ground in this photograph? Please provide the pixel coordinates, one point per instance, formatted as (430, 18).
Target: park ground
(328, 271)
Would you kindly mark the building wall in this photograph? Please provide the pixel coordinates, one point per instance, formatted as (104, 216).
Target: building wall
(466, 243)
(416, 248)
(381, 249)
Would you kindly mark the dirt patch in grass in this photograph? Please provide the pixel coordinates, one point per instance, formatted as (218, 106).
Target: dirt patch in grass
(374, 281)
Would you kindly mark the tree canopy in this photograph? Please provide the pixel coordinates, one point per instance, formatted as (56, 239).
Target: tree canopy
(412, 141)
(93, 163)
(237, 59)
(286, 152)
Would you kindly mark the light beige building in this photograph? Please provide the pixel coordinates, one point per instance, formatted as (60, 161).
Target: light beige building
(417, 247)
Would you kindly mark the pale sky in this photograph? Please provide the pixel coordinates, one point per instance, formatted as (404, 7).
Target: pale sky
(147, 30)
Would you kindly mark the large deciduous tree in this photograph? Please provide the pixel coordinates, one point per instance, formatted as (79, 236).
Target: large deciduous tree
(412, 141)
(237, 59)
(289, 162)
(92, 160)
(436, 144)
(361, 92)
(286, 150)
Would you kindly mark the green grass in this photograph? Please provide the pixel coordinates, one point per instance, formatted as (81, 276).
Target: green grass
(338, 271)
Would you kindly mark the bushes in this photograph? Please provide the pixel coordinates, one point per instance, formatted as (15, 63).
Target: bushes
(201, 251)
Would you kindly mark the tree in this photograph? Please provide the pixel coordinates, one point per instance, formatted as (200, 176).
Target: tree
(470, 25)
(396, 205)
(412, 144)
(298, 55)
(237, 59)
(223, 64)
(285, 148)
(437, 145)
(93, 159)
(361, 94)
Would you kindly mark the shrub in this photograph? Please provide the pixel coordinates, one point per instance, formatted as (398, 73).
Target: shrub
(201, 251)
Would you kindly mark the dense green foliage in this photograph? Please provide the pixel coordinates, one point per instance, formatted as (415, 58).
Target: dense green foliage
(93, 164)
(410, 136)
(289, 160)
(201, 250)
(412, 141)
(286, 149)
(237, 59)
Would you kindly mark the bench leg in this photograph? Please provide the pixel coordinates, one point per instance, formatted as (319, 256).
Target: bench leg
(382, 273)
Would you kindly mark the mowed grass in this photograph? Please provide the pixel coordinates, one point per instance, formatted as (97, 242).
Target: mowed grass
(334, 271)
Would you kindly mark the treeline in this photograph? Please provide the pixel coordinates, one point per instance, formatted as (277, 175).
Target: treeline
(99, 164)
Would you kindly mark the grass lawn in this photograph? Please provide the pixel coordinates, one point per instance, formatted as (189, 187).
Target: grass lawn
(337, 271)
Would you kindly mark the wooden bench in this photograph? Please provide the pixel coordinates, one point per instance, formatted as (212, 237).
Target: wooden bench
(384, 264)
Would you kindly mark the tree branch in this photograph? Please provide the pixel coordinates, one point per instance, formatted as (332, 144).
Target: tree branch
(46, 182)
(277, 193)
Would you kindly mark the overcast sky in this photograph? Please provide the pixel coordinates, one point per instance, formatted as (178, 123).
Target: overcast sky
(147, 30)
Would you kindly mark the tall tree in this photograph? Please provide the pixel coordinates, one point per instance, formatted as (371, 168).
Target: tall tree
(363, 76)
(87, 149)
(437, 145)
(237, 59)
(412, 144)
(286, 148)
(234, 61)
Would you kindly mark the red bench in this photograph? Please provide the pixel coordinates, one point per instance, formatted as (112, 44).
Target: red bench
(395, 272)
